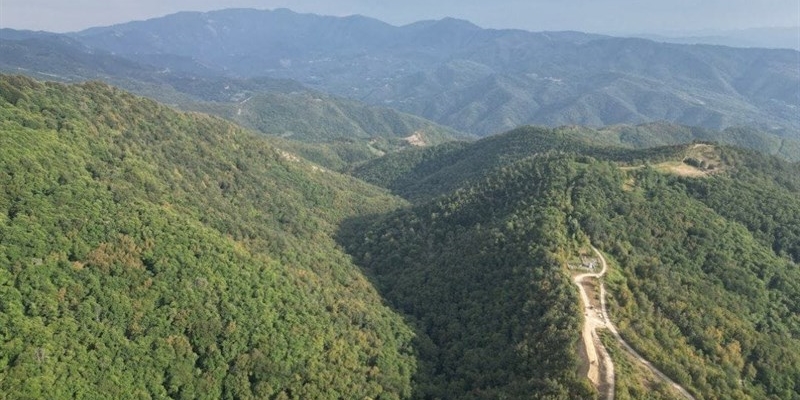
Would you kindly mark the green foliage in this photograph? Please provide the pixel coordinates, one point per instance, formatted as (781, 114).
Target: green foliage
(706, 287)
(633, 381)
(664, 134)
(334, 132)
(479, 273)
(149, 253)
(699, 296)
(426, 173)
(773, 185)
(313, 117)
(405, 168)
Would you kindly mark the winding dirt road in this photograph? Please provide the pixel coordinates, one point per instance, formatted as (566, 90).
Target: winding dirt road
(597, 355)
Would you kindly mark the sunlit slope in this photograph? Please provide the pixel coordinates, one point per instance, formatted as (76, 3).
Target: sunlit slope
(701, 238)
(150, 253)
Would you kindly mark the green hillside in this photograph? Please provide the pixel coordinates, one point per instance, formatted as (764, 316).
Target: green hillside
(697, 293)
(315, 117)
(702, 238)
(479, 272)
(424, 173)
(663, 134)
(331, 131)
(150, 253)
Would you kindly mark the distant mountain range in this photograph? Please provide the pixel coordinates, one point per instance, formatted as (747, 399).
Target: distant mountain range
(472, 80)
(476, 80)
(351, 131)
(771, 38)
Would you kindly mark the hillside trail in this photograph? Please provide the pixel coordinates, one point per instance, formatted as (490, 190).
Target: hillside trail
(597, 354)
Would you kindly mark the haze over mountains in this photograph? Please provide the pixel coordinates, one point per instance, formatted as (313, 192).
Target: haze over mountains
(770, 38)
(475, 80)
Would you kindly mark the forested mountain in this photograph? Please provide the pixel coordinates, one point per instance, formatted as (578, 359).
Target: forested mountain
(348, 130)
(479, 273)
(315, 117)
(662, 134)
(147, 252)
(430, 172)
(332, 131)
(150, 253)
(53, 56)
(478, 80)
(703, 240)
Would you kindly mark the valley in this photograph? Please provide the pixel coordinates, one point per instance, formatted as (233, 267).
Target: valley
(266, 204)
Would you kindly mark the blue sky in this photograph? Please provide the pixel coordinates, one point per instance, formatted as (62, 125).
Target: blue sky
(603, 16)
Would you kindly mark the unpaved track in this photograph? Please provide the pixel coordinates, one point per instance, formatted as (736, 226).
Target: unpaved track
(593, 323)
(596, 354)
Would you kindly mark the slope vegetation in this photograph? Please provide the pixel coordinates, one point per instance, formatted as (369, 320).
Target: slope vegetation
(699, 295)
(423, 173)
(332, 131)
(149, 253)
(426, 173)
(479, 273)
(704, 276)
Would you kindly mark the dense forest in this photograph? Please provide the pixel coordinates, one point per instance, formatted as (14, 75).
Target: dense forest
(333, 132)
(705, 274)
(149, 253)
(480, 273)
(422, 174)
(697, 294)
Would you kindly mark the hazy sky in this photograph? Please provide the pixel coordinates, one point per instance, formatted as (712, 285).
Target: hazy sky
(604, 16)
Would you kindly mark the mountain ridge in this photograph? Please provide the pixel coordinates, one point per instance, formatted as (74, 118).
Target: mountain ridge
(545, 78)
(357, 131)
(670, 236)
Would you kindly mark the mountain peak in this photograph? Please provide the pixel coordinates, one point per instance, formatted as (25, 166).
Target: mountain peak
(457, 23)
(447, 23)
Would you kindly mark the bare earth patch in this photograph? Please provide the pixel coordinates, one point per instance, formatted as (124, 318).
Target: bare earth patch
(699, 160)
(598, 366)
(416, 139)
(681, 169)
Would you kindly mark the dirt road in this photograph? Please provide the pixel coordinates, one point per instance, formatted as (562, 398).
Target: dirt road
(601, 368)
(596, 352)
